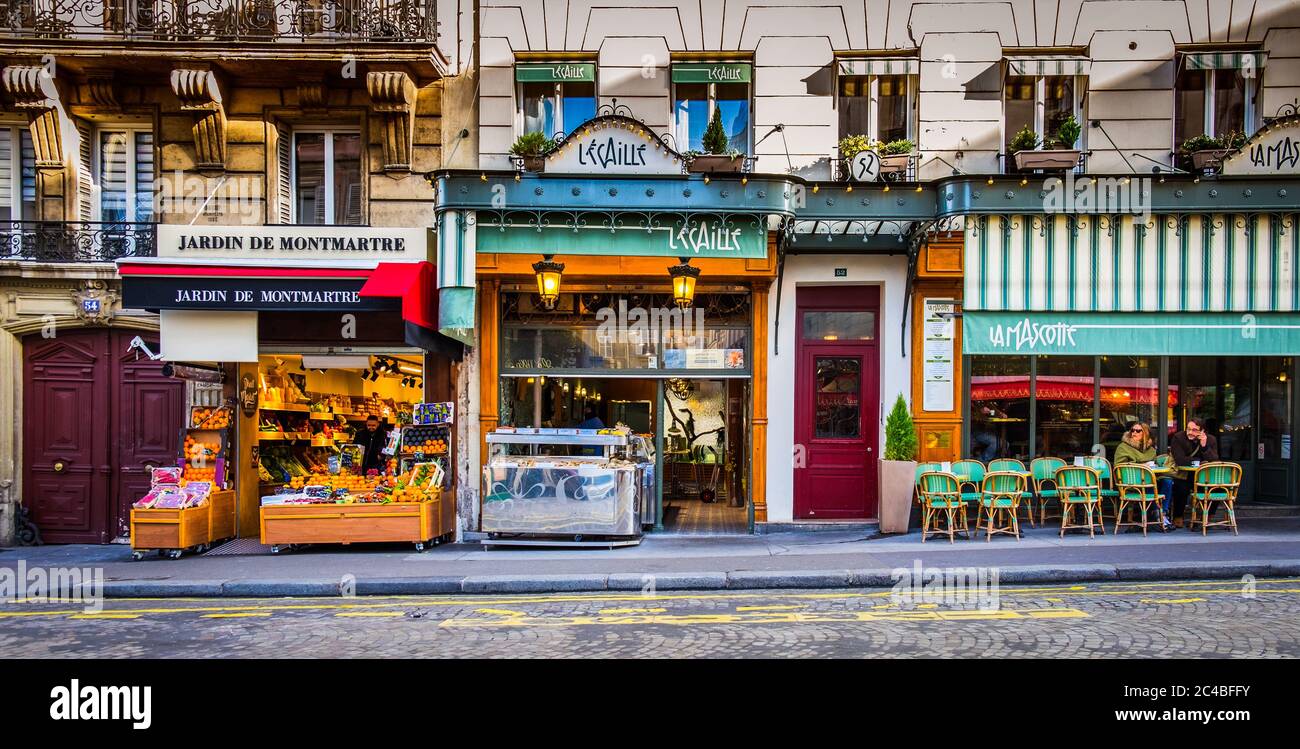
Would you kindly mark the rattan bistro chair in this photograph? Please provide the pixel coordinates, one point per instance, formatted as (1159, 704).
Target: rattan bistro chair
(1000, 496)
(1044, 476)
(1138, 491)
(941, 498)
(921, 470)
(1108, 491)
(970, 474)
(1079, 487)
(1215, 482)
(1011, 464)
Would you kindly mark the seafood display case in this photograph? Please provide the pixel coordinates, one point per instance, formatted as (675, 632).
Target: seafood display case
(562, 488)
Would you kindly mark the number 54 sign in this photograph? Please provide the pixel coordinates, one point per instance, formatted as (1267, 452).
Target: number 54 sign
(865, 167)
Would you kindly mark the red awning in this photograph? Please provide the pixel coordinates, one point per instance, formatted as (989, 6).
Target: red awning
(413, 283)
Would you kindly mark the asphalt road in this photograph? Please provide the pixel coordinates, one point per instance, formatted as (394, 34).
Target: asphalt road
(1105, 620)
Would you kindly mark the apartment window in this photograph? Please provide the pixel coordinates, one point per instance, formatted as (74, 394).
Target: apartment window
(1041, 103)
(1213, 102)
(125, 168)
(699, 90)
(877, 106)
(555, 98)
(17, 174)
(327, 177)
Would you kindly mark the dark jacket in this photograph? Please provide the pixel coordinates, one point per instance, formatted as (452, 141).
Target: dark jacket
(373, 443)
(1184, 450)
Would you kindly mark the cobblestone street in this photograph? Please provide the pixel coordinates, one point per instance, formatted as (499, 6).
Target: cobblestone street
(1182, 619)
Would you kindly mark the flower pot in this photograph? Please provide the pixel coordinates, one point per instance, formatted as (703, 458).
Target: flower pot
(895, 164)
(710, 163)
(535, 163)
(897, 485)
(1209, 159)
(1047, 159)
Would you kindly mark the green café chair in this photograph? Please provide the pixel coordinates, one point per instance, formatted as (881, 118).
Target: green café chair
(1138, 490)
(1108, 491)
(1043, 475)
(1000, 496)
(941, 499)
(1015, 466)
(970, 474)
(922, 469)
(1079, 488)
(1215, 482)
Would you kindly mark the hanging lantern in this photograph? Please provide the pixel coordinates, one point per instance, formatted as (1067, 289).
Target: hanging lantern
(548, 280)
(684, 277)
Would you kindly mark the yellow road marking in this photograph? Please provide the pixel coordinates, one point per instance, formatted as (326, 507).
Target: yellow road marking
(234, 616)
(770, 617)
(104, 616)
(369, 613)
(763, 608)
(502, 612)
(632, 611)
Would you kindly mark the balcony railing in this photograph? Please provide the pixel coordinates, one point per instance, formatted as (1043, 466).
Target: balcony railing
(221, 20)
(76, 241)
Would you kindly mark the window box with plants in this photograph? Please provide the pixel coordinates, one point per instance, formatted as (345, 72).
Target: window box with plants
(531, 150)
(1058, 153)
(894, 155)
(898, 469)
(1206, 153)
(715, 157)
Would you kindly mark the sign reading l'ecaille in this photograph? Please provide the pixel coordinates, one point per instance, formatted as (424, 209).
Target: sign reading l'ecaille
(613, 145)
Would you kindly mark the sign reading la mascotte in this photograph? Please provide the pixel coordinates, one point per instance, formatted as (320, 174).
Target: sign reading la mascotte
(280, 242)
(1274, 150)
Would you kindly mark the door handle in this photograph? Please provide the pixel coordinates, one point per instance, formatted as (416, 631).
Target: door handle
(60, 466)
(869, 449)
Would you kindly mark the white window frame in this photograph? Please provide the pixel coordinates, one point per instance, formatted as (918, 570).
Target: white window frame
(873, 107)
(1207, 116)
(16, 131)
(557, 98)
(97, 164)
(713, 105)
(1040, 111)
(329, 133)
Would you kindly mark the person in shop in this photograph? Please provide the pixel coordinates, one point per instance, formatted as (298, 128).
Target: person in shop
(590, 420)
(1193, 444)
(372, 439)
(1136, 446)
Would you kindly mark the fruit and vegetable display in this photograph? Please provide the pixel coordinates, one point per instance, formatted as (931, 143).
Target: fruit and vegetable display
(430, 440)
(205, 417)
(343, 488)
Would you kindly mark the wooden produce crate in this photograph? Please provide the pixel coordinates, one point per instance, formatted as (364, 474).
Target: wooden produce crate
(172, 532)
(418, 523)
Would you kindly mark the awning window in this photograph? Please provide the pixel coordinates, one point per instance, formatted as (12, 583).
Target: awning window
(1049, 65)
(1224, 60)
(881, 66)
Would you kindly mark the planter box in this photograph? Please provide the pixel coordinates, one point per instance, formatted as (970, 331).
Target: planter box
(410, 522)
(535, 163)
(897, 490)
(896, 164)
(156, 529)
(1209, 159)
(710, 163)
(1047, 159)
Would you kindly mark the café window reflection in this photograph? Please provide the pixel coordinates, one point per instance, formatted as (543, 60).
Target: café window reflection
(1064, 406)
(999, 408)
(1218, 391)
(1130, 394)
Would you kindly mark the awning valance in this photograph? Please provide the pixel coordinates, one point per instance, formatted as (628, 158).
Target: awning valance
(1131, 333)
(880, 66)
(1049, 65)
(712, 72)
(556, 72)
(1224, 60)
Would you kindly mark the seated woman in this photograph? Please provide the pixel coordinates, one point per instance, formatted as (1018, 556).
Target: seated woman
(1137, 447)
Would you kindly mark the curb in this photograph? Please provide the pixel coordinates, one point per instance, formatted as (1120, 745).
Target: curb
(738, 580)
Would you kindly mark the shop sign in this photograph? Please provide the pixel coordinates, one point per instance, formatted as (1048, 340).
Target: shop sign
(283, 243)
(556, 72)
(264, 294)
(1275, 150)
(614, 145)
(702, 237)
(712, 72)
(1135, 333)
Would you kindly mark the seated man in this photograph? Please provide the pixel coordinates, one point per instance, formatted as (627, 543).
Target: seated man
(1191, 444)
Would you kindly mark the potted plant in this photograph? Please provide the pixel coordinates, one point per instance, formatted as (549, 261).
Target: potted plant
(716, 157)
(898, 469)
(531, 147)
(1206, 152)
(1026, 147)
(895, 156)
(850, 146)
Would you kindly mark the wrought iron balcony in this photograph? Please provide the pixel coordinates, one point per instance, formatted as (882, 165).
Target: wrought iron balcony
(391, 21)
(76, 241)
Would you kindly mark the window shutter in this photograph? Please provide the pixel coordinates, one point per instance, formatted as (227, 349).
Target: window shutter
(284, 175)
(6, 174)
(144, 185)
(85, 183)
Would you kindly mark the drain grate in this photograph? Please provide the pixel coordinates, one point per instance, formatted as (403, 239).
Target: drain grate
(240, 547)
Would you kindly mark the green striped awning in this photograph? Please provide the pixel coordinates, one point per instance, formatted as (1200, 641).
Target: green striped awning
(880, 66)
(1224, 60)
(1097, 263)
(1049, 65)
(556, 72)
(712, 72)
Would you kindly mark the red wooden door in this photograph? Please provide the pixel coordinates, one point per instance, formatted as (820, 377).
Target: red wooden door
(837, 403)
(66, 478)
(94, 419)
(147, 419)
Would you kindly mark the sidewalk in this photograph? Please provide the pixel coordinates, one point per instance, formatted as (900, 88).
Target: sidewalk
(1265, 548)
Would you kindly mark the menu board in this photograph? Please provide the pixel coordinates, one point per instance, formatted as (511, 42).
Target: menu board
(937, 356)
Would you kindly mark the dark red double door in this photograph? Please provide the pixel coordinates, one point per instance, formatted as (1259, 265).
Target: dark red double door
(95, 419)
(837, 397)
